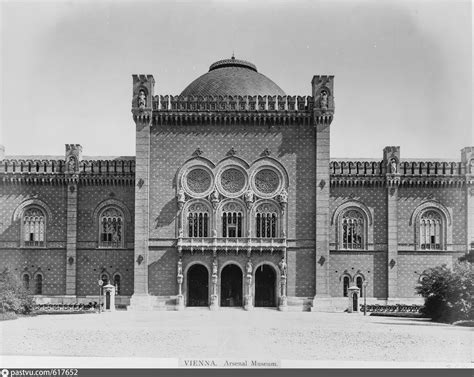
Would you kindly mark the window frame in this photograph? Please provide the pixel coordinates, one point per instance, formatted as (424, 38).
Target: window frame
(367, 231)
(23, 242)
(121, 244)
(446, 228)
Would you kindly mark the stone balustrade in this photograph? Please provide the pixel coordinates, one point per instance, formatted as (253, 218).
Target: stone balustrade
(233, 103)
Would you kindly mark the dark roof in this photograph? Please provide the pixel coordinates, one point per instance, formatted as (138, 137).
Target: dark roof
(232, 77)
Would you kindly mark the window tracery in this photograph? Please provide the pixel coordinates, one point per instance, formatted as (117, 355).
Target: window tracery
(111, 228)
(352, 229)
(232, 220)
(34, 228)
(266, 221)
(431, 229)
(198, 220)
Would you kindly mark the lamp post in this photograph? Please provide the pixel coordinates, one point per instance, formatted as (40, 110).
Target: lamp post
(365, 296)
(100, 291)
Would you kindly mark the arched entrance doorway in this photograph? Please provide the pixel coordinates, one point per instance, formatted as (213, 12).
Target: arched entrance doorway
(198, 286)
(231, 285)
(265, 286)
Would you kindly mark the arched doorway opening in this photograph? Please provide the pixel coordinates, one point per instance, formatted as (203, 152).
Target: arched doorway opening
(198, 286)
(231, 285)
(265, 286)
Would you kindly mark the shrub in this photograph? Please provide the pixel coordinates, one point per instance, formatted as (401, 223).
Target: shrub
(13, 296)
(448, 292)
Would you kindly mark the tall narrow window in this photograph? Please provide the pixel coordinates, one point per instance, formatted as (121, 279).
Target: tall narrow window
(345, 286)
(232, 224)
(111, 228)
(360, 285)
(26, 281)
(266, 221)
(198, 220)
(117, 282)
(33, 227)
(430, 230)
(39, 284)
(352, 230)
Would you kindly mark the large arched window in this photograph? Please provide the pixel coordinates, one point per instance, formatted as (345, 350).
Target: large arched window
(232, 220)
(266, 221)
(431, 230)
(198, 220)
(34, 227)
(352, 230)
(111, 228)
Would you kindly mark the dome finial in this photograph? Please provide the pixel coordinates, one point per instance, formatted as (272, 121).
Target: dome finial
(233, 56)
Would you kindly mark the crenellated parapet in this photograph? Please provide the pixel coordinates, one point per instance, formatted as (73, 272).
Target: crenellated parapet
(259, 110)
(391, 172)
(232, 103)
(57, 171)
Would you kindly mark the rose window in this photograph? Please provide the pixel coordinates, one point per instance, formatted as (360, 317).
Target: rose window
(198, 180)
(233, 180)
(267, 181)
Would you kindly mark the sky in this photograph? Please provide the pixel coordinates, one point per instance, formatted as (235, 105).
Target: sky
(403, 70)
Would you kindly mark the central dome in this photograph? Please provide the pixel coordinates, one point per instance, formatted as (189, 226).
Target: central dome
(232, 77)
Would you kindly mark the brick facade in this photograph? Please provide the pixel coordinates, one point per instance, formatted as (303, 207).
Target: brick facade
(288, 134)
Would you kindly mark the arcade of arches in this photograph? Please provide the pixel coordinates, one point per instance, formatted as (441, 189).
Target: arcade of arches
(232, 287)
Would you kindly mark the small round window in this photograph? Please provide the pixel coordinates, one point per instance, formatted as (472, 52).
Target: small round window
(267, 181)
(199, 181)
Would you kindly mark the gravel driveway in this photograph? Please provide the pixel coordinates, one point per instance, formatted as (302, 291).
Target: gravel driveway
(232, 333)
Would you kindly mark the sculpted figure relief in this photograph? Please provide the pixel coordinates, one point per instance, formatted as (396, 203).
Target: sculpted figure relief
(248, 196)
(249, 267)
(181, 196)
(324, 100)
(214, 267)
(71, 164)
(283, 197)
(180, 267)
(282, 266)
(393, 166)
(141, 99)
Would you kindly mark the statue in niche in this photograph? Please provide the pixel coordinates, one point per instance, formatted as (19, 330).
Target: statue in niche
(249, 267)
(214, 267)
(215, 198)
(248, 197)
(282, 266)
(180, 267)
(283, 197)
(141, 99)
(324, 99)
(393, 166)
(71, 164)
(181, 196)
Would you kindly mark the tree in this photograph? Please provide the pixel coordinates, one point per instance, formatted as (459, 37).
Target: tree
(448, 292)
(13, 296)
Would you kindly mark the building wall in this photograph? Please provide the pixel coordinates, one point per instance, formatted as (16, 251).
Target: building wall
(292, 146)
(51, 260)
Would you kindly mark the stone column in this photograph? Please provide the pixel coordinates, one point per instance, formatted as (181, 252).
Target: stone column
(73, 156)
(248, 299)
(143, 87)
(391, 158)
(323, 111)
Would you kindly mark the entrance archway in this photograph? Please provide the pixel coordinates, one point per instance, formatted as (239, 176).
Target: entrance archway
(198, 286)
(265, 286)
(231, 285)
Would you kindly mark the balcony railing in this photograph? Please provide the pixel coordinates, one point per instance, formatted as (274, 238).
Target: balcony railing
(232, 244)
